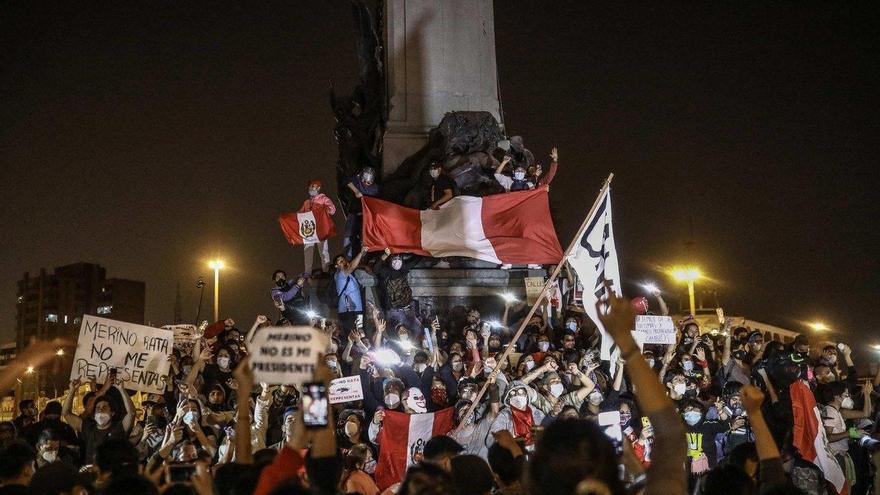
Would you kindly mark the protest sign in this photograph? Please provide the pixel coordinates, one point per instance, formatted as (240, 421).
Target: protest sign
(655, 329)
(185, 336)
(346, 389)
(138, 353)
(534, 286)
(286, 355)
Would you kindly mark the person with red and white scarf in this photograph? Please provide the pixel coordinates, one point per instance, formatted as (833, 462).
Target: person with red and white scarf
(519, 417)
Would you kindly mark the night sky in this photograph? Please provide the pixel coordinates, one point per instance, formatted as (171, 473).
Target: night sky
(148, 138)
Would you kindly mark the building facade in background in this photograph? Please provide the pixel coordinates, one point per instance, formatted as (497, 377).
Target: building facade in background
(51, 305)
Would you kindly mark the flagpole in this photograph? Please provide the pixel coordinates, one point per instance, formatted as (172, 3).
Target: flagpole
(547, 285)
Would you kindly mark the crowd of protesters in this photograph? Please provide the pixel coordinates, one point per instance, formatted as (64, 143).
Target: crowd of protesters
(541, 411)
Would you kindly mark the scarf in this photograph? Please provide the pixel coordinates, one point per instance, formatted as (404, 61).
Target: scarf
(522, 423)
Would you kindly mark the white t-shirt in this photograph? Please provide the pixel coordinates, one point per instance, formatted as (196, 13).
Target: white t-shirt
(832, 418)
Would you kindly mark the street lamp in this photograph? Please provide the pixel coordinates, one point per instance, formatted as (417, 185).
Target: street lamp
(216, 265)
(818, 326)
(688, 275)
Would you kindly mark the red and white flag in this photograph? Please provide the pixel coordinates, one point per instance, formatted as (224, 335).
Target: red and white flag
(809, 436)
(511, 228)
(402, 441)
(307, 227)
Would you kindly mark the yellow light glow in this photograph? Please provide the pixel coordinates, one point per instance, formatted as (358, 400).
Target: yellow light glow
(818, 326)
(59, 352)
(29, 370)
(216, 264)
(686, 274)
(876, 347)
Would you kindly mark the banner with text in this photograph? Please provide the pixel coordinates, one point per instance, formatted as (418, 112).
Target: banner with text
(534, 286)
(655, 329)
(346, 389)
(138, 353)
(286, 355)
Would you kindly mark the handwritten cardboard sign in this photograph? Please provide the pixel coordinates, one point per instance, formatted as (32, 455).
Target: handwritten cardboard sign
(346, 389)
(656, 329)
(286, 355)
(138, 353)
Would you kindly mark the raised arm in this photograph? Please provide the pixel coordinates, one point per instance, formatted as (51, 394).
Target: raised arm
(618, 375)
(725, 356)
(197, 367)
(867, 388)
(354, 190)
(380, 330)
(356, 261)
(73, 420)
(128, 420)
(245, 378)
(504, 162)
(587, 384)
(261, 319)
(666, 474)
(539, 371)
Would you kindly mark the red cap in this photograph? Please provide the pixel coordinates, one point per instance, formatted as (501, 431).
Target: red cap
(315, 183)
(640, 305)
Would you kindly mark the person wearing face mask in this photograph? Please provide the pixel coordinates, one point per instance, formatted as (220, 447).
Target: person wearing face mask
(47, 444)
(420, 374)
(51, 420)
(350, 429)
(442, 187)
(554, 395)
(392, 271)
(414, 401)
(362, 184)
(103, 425)
(837, 408)
(451, 373)
(519, 180)
(677, 386)
(221, 371)
(473, 434)
(518, 417)
(318, 204)
(700, 434)
(358, 471)
(289, 297)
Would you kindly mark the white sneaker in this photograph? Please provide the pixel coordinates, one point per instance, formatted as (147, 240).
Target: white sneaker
(506, 266)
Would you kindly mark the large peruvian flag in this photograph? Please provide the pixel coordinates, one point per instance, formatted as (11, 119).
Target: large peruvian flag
(809, 435)
(512, 227)
(402, 441)
(307, 227)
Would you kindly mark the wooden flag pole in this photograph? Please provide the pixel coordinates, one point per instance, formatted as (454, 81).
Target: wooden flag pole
(504, 355)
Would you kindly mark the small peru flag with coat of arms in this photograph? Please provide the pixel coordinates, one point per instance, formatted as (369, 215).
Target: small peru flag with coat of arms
(309, 227)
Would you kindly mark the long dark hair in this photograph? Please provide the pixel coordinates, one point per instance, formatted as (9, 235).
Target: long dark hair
(356, 455)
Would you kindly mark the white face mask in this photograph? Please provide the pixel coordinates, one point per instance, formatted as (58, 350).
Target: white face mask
(679, 388)
(420, 368)
(351, 429)
(396, 263)
(688, 365)
(392, 400)
(370, 466)
(189, 417)
(519, 175)
(650, 363)
(368, 177)
(332, 363)
(556, 389)
(530, 365)
(457, 366)
(223, 362)
(435, 173)
(543, 346)
(102, 418)
(519, 402)
(572, 326)
(50, 455)
(595, 398)
(846, 403)
(313, 193)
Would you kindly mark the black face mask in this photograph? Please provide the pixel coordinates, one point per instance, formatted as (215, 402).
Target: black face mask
(281, 283)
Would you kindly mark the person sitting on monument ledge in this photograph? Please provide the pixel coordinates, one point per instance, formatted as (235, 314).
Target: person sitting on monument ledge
(442, 187)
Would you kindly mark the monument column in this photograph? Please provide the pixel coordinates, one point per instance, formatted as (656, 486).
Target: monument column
(439, 58)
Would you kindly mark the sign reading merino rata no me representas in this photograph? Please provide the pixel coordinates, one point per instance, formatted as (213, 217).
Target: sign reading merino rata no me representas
(346, 389)
(138, 353)
(286, 355)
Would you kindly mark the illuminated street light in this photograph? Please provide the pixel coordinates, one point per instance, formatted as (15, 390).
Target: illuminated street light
(819, 326)
(59, 352)
(216, 265)
(688, 275)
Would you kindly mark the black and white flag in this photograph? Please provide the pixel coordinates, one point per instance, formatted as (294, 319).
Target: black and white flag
(594, 258)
